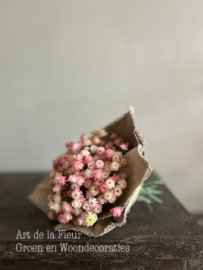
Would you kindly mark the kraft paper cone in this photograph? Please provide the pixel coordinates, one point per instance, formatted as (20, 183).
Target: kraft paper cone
(137, 169)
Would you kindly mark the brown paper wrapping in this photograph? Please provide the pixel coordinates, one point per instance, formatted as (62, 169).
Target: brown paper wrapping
(137, 169)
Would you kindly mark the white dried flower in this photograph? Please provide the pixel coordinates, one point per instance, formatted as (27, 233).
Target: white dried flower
(122, 183)
(110, 183)
(77, 211)
(102, 133)
(76, 204)
(56, 207)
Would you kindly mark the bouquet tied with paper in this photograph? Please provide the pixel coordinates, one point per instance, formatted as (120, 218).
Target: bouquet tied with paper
(96, 181)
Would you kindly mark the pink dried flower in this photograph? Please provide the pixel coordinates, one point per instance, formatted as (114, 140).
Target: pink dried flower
(62, 161)
(63, 156)
(71, 170)
(116, 211)
(88, 159)
(117, 191)
(74, 186)
(84, 137)
(61, 169)
(78, 156)
(87, 183)
(97, 209)
(67, 208)
(96, 139)
(113, 136)
(82, 198)
(55, 163)
(118, 141)
(99, 164)
(86, 206)
(61, 180)
(85, 153)
(101, 199)
(97, 175)
(109, 153)
(102, 187)
(78, 173)
(100, 151)
(80, 181)
(75, 194)
(78, 165)
(93, 202)
(64, 218)
(57, 188)
(91, 165)
(80, 168)
(115, 177)
(76, 146)
(66, 165)
(73, 178)
(114, 166)
(68, 144)
(124, 146)
(109, 145)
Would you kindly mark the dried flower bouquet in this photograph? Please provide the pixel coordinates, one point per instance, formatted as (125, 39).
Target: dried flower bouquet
(98, 177)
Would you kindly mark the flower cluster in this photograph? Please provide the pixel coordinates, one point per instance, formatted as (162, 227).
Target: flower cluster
(87, 177)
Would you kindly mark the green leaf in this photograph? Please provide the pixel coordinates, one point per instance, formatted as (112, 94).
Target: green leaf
(157, 191)
(149, 190)
(156, 198)
(142, 198)
(156, 182)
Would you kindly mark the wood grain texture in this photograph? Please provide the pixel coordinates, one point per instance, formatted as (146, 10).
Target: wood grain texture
(166, 238)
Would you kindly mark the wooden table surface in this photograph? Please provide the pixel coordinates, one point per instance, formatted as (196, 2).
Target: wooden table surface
(164, 237)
